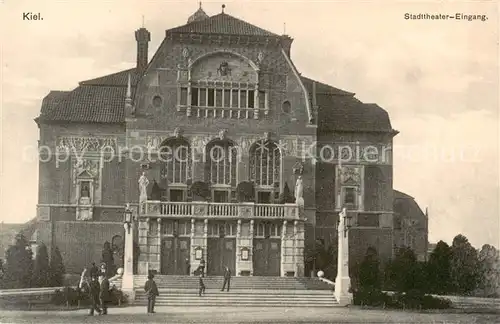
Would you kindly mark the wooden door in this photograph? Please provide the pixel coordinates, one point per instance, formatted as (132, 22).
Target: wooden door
(175, 251)
(221, 253)
(266, 257)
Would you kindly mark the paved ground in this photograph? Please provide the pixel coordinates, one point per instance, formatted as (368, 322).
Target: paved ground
(200, 315)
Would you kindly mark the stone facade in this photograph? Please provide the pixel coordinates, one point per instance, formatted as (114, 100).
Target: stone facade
(206, 88)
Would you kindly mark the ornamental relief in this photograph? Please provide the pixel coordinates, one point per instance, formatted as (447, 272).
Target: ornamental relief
(287, 146)
(223, 67)
(86, 144)
(91, 166)
(350, 175)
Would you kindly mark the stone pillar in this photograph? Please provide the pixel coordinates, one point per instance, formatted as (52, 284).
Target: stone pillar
(284, 254)
(192, 251)
(251, 250)
(238, 249)
(343, 281)
(143, 263)
(159, 221)
(128, 267)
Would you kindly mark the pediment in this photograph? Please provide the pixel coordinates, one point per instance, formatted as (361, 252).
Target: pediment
(85, 175)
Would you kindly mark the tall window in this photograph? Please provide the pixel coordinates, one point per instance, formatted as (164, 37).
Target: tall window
(176, 159)
(221, 163)
(206, 96)
(265, 162)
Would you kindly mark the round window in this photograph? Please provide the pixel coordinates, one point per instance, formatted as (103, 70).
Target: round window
(157, 101)
(286, 107)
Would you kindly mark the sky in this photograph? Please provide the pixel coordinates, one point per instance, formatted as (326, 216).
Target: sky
(438, 79)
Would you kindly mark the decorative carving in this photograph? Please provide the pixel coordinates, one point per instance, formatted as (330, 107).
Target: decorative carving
(43, 213)
(224, 69)
(84, 213)
(87, 167)
(223, 133)
(299, 191)
(75, 144)
(267, 136)
(350, 175)
(185, 53)
(153, 142)
(298, 168)
(178, 132)
(260, 57)
(200, 210)
(245, 211)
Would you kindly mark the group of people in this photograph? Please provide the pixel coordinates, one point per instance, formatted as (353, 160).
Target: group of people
(96, 284)
(152, 292)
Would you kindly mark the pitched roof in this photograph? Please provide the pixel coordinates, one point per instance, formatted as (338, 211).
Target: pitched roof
(223, 24)
(99, 100)
(401, 195)
(346, 113)
(323, 88)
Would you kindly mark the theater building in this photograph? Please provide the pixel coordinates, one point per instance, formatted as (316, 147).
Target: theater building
(224, 151)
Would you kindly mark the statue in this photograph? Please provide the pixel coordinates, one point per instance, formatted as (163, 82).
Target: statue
(143, 186)
(299, 192)
(85, 191)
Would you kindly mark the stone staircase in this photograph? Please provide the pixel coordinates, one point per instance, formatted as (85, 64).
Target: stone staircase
(245, 291)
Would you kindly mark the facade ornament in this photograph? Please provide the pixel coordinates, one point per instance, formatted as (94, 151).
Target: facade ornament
(223, 134)
(178, 132)
(185, 53)
(298, 168)
(260, 57)
(350, 174)
(143, 187)
(267, 136)
(224, 69)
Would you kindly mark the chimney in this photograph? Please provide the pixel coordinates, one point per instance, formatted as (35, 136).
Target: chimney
(142, 36)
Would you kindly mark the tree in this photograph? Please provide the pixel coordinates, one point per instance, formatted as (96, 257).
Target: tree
(41, 270)
(57, 269)
(465, 272)
(400, 272)
(107, 258)
(286, 197)
(19, 264)
(369, 270)
(438, 268)
(489, 261)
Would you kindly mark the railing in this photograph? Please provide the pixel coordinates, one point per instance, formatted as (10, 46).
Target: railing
(204, 209)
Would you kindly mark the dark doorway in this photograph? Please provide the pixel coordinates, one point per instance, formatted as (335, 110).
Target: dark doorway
(221, 196)
(176, 195)
(266, 257)
(175, 252)
(264, 197)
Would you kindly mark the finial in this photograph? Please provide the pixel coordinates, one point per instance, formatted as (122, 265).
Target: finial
(284, 28)
(200, 4)
(142, 21)
(223, 6)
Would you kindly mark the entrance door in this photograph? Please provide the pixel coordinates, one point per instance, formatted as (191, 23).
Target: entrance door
(266, 256)
(221, 253)
(175, 253)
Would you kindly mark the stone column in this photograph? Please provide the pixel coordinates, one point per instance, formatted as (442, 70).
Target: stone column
(143, 263)
(192, 246)
(284, 255)
(205, 239)
(237, 249)
(251, 250)
(158, 220)
(343, 281)
(128, 269)
(295, 249)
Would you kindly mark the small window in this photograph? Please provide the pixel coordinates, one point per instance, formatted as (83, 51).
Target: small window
(157, 101)
(184, 93)
(262, 99)
(350, 196)
(211, 98)
(194, 97)
(251, 98)
(235, 95)
(203, 97)
(286, 107)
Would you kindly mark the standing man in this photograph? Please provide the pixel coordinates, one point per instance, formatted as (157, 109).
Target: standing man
(151, 291)
(94, 270)
(227, 278)
(201, 285)
(94, 291)
(104, 293)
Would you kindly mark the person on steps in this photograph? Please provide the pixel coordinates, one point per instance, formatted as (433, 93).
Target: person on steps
(104, 293)
(151, 291)
(201, 285)
(227, 278)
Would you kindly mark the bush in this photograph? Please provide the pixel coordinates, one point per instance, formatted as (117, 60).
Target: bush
(19, 264)
(57, 269)
(286, 196)
(371, 297)
(411, 300)
(41, 270)
(74, 296)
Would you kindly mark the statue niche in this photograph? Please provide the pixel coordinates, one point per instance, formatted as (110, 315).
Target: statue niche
(224, 67)
(85, 195)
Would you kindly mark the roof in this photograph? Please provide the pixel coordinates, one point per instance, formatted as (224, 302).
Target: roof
(223, 24)
(99, 100)
(401, 195)
(323, 88)
(346, 113)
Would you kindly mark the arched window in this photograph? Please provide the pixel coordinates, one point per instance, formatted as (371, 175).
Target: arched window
(265, 170)
(175, 155)
(221, 159)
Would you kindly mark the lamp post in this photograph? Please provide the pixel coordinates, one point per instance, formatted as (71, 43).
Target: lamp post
(128, 267)
(343, 281)
(127, 219)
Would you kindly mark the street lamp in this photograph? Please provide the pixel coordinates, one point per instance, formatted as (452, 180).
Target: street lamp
(348, 220)
(127, 218)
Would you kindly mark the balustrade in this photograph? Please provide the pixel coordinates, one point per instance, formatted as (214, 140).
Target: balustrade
(190, 209)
